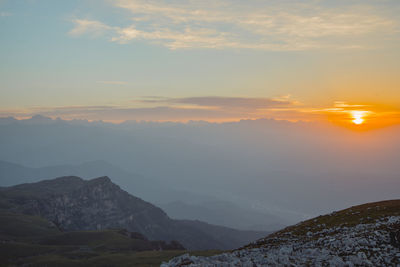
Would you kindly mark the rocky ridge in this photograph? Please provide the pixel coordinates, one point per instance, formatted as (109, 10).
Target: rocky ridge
(367, 235)
(74, 204)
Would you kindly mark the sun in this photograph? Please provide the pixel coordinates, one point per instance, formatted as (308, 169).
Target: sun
(358, 116)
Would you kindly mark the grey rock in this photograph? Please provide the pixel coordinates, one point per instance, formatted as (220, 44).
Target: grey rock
(72, 203)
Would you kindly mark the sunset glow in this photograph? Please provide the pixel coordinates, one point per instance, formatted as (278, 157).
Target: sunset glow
(238, 118)
(215, 61)
(358, 117)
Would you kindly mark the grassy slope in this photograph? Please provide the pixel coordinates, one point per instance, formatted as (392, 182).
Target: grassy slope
(104, 240)
(145, 258)
(33, 240)
(13, 254)
(19, 227)
(366, 213)
(362, 214)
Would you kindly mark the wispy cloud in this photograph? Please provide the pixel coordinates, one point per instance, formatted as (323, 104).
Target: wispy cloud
(120, 114)
(292, 25)
(90, 27)
(224, 102)
(211, 108)
(214, 109)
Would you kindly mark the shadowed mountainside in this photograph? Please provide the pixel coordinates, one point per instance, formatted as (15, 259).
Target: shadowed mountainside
(180, 204)
(72, 204)
(34, 241)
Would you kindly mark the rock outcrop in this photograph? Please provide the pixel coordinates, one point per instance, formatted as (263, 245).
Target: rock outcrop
(360, 236)
(72, 204)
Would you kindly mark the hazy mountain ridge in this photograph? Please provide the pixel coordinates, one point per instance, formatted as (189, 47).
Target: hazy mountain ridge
(365, 235)
(191, 206)
(224, 213)
(138, 185)
(248, 163)
(75, 204)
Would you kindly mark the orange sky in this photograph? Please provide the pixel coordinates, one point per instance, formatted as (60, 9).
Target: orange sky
(204, 60)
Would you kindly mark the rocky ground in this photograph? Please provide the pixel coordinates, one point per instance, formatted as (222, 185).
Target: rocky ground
(347, 238)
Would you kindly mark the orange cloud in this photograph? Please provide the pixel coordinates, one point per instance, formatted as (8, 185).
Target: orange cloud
(360, 116)
(221, 109)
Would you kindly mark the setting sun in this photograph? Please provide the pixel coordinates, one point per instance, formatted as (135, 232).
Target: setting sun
(358, 116)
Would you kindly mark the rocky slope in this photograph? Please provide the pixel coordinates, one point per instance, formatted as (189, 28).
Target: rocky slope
(72, 203)
(134, 183)
(178, 204)
(366, 235)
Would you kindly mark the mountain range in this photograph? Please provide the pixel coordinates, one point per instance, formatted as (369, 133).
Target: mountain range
(281, 168)
(223, 213)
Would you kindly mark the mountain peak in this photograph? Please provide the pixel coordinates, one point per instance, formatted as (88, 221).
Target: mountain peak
(102, 179)
(74, 204)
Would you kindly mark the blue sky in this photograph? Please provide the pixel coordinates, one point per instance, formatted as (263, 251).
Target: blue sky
(118, 53)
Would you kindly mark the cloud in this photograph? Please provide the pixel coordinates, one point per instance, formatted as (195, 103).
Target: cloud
(225, 102)
(90, 27)
(342, 107)
(214, 109)
(120, 114)
(156, 108)
(289, 25)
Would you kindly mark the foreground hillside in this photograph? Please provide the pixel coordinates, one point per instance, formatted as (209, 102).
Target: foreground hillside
(34, 241)
(74, 204)
(366, 235)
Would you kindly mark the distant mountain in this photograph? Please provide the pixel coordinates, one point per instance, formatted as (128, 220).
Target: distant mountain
(278, 167)
(12, 174)
(144, 187)
(223, 213)
(177, 204)
(72, 203)
(365, 235)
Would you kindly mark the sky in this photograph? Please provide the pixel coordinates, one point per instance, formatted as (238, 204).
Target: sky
(181, 60)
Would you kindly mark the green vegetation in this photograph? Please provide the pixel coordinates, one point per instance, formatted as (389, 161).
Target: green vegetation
(12, 254)
(35, 241)
(105, 240)
(362, 214)
(20, 227)
(145, 258)
(366, 213)
(14, 250)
